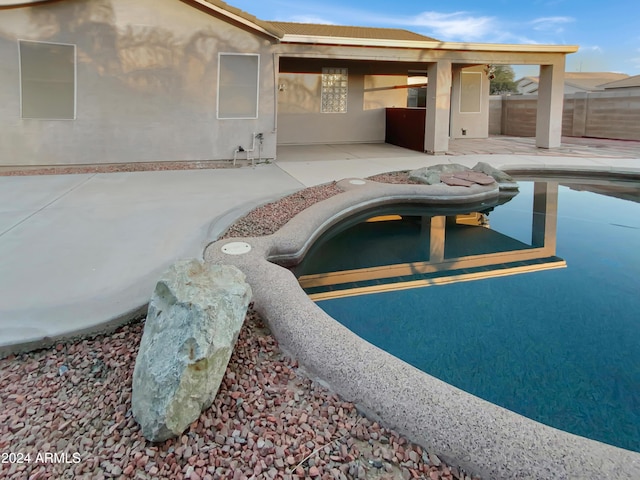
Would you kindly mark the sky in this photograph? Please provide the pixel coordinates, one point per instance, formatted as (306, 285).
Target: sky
(607, 32)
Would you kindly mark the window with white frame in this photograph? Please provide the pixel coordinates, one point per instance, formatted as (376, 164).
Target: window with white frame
(47, 80)
(334, 90)
(238, 81)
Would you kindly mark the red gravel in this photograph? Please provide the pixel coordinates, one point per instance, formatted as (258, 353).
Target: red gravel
(112, 168)
(268, 219)
(267, 421)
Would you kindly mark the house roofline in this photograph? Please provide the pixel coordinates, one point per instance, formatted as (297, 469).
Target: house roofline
(8, 4)
(433, 45)
(241, 17)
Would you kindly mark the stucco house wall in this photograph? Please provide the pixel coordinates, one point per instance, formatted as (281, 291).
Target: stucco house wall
(143, 86)
(301, 121)
(300, 116)
(470, 103)
(146, 84)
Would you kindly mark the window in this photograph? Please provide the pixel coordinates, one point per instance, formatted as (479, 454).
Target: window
(238, 85)
(47, 80)
(334, 90)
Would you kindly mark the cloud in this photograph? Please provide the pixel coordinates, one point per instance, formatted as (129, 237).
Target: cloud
(463, 26)
(554, 24)
(453, 26)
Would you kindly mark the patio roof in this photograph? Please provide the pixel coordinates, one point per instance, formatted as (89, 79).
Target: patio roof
(324, 34)
(327, 34)
(344, 31)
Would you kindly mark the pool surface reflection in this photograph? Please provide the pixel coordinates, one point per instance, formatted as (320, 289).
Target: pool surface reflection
(531, 305)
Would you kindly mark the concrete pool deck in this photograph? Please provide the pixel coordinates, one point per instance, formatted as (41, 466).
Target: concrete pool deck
(82, 253)
(79, 253)
(317, 164)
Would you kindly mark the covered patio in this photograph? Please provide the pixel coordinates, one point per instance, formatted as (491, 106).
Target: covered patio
(335, 85)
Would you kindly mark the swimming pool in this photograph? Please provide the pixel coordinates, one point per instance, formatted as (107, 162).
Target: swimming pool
(552, 332)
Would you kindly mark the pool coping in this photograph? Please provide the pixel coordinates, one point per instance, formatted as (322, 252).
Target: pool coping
(464, 430)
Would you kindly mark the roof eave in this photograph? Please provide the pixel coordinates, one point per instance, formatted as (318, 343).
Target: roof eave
(254, 24)
(508, 47)
(20, 3)
(434, 45)
(357, 42)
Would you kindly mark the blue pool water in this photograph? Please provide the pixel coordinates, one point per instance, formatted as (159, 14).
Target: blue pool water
(559, 346)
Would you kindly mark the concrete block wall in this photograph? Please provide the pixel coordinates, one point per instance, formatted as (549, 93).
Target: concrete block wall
(516, 115)
(614, 115)
(611, 115)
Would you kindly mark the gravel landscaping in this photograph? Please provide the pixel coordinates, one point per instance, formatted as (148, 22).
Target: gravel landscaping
(269, 218)
(268, 420)
(23, 170)
(65, 411)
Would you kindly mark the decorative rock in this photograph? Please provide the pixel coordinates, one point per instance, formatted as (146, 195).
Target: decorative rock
(456, 174)
(193, 322)
(431, 175)
(454, 181)
(475, 177)
(505, 181)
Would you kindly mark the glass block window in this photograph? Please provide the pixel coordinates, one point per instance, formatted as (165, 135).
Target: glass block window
(238, 85)
(334, 90)
(47, 80)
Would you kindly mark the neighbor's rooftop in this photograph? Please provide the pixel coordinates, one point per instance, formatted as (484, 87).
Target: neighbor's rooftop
(628, 82)
(582, 80)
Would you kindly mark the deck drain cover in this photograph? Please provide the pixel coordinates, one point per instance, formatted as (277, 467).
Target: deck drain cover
(236, 248)
(357, 182)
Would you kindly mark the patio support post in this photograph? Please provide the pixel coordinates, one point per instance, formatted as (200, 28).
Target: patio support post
(550, 104)
(436, 135)
(545, 216)
(436, 239)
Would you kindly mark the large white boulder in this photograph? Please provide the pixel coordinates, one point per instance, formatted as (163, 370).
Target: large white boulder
(193, 322)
